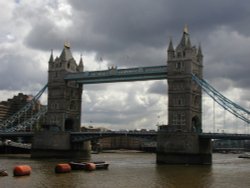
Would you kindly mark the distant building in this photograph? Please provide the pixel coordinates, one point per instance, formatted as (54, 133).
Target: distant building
(119, 142)
(13, 105)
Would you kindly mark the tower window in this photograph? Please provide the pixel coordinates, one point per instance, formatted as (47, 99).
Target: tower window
(179, 119)
(180, 101)
(178, 65)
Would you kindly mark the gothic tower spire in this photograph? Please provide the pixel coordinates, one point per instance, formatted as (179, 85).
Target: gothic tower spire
(185, 40)
(51, 59)
(171, 52)
(80, 66)
(199, 54)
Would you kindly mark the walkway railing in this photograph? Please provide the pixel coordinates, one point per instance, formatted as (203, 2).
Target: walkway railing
(119, 75)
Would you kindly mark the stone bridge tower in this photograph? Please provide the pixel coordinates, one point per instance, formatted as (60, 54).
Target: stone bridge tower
(179, 142)
(184, 109)
(64, 112)
(64, 98)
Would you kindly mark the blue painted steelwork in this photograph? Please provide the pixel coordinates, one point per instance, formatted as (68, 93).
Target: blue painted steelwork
(16, 134)
(225, 136)
(29, 122)
(119, 75)
(84, 136)
(8, 123)
(226, 103)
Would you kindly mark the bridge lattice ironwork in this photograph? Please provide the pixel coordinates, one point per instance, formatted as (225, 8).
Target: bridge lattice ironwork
(119, 75)
(8, 124)
(223, 101)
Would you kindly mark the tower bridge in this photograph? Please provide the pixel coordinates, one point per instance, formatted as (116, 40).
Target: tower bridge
(181, 141)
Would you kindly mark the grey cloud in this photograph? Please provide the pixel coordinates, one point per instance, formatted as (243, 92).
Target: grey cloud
(136, 33)
(20, 73)
(120, 31)
(159, 88)
(122, 111)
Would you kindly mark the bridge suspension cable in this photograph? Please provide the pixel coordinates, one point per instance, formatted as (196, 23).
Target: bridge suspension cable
(7, 124)
(226, 103)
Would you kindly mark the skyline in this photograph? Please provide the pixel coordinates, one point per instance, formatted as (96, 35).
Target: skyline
(124, 34)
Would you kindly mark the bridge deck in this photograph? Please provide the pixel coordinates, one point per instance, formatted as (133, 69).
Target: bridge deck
(81, 136)
(225, 136)
(119, 75)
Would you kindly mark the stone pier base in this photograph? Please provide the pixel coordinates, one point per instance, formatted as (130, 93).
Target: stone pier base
(49, 144)
(182, 148)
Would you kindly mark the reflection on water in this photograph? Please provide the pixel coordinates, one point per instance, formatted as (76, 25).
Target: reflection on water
(131, 170)
(184, 176)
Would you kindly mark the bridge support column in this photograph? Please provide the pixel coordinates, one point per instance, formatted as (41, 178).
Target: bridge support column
(183, 148)
(48, 144)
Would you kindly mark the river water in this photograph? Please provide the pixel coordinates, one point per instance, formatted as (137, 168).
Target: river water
(130, 169)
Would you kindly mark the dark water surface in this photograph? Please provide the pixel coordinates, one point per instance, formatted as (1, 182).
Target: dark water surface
(133, 170)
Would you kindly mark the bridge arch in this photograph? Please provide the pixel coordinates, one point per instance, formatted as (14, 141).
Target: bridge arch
(69, 124)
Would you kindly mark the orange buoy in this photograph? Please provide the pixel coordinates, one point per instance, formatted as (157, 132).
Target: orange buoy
(90, 166)
(22, 170)
(62, 168)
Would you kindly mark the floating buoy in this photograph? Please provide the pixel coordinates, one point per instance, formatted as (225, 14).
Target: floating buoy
(22, 170)
(62, 168)
(90, 166)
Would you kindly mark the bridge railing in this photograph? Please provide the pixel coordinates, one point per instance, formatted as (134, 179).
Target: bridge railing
(115, 75)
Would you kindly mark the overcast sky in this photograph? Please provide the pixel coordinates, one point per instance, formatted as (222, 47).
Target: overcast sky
(127, 33)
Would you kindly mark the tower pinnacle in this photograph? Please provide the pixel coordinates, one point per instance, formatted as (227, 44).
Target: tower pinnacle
(170, 46)
(66, 44)
(185, 30)
(80, 66)
(51, 59)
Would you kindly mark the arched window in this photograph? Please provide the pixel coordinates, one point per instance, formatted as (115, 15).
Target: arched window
(69, 124)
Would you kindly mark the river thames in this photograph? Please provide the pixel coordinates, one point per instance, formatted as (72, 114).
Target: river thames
(130, 169)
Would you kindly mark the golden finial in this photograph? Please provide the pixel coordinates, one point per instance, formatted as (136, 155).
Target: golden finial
(185, 30)
(67, 44)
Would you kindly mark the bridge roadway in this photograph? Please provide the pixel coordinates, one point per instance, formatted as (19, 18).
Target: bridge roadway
(119, 75)
(84, 136)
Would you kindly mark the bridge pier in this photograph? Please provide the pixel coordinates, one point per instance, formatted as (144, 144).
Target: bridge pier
(183, 148)
(48, 144)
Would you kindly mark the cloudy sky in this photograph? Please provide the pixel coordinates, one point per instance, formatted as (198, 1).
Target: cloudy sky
(127, 33)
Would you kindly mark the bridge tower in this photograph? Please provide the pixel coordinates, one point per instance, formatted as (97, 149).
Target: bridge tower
(64, 111)
(179, 142)
(64, 97)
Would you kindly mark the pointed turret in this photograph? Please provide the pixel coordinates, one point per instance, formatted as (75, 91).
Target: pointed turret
(80, 66)
(66, 54)
(199, 54)
(171, 51)
(51, 59)
(199, 51)
(170, 46)
(185, 40)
